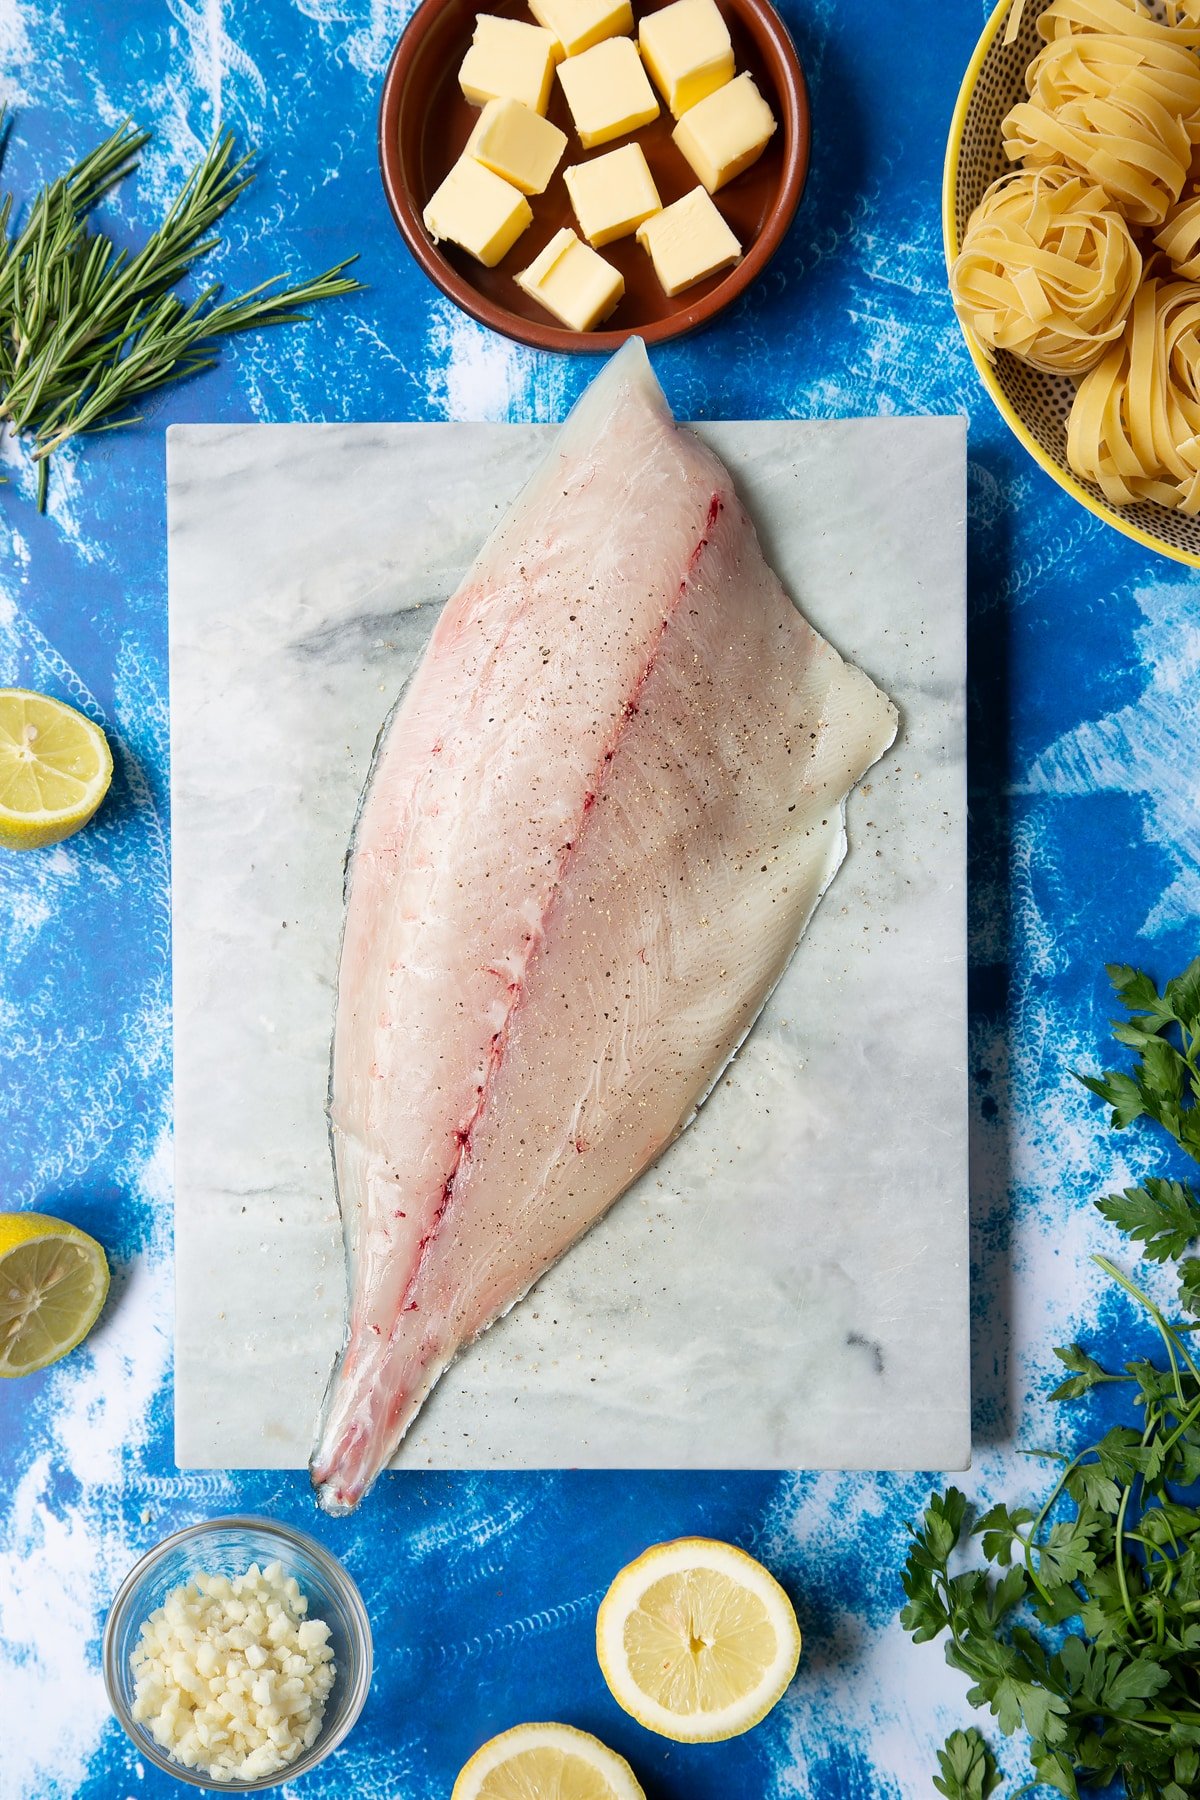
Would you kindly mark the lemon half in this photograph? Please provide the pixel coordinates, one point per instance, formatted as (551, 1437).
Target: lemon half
(53, 1280)
(696, 1640)
(546, 1762)
(55, 769)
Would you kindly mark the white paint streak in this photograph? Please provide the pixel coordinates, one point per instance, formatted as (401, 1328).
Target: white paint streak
(213, 53)
(25, 913)
(368, 48)
(861, 1690)
(475, 374)
(210, 80)
(67, 1538)
(62, 1559)
(1150, 748)
(62, 498)
(16, 54)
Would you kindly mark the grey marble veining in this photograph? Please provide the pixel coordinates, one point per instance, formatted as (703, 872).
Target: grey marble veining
(788, 1286)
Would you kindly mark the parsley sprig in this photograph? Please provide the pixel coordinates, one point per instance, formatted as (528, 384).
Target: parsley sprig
(1081, 1622)
(968, 1768)
(86, 330)
(1164, 1031)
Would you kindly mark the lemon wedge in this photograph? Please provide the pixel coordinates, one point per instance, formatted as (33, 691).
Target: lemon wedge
(546, 1762)
(696, 1640)
(55, 767)
(53, 1279)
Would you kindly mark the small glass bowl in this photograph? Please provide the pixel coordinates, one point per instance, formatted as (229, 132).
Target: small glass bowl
(228, 1547)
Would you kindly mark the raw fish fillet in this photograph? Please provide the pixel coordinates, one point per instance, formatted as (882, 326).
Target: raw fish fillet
(595, 827)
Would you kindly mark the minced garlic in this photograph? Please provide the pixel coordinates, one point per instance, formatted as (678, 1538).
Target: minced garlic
(230, 1676)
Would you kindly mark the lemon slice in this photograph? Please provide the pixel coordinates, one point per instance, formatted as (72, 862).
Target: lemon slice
(697, 1640)
(55, 767)
(53, 1279)
(546, 1762)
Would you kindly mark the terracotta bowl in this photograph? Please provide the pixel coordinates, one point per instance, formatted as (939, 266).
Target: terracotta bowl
(424, 123)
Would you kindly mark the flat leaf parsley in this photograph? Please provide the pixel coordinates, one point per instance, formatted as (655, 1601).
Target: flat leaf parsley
(1082, 1626)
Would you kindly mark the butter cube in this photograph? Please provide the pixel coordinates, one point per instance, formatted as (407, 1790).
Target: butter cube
(572, 282)
(687, 241)
(687, 49)
(578, 24)
(612, 194)
(478, 211)
(513, 141)
(509, 60)
(607, 91)
(724, 133)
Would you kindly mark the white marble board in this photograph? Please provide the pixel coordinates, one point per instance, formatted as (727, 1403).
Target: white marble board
(788, 1286)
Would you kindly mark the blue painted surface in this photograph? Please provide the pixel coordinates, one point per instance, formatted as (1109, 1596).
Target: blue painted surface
(1084, 847)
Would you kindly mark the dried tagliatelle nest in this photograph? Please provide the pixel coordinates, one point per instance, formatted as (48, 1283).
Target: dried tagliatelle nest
(1121, 110)
(1073, 263)
(1135, 425)
(1048, 270)
(1065, 18)
(1179, 236)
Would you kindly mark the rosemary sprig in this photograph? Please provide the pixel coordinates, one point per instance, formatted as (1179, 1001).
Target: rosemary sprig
(86, 329)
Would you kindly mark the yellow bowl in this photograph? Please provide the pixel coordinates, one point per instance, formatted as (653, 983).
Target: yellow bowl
(1034, 406)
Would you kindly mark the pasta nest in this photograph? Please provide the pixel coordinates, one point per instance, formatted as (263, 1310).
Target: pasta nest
(1134, 427)
(1106, 65)
(1179, 237)
(1048, 269)
(1129, 18)
(1123, 111)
